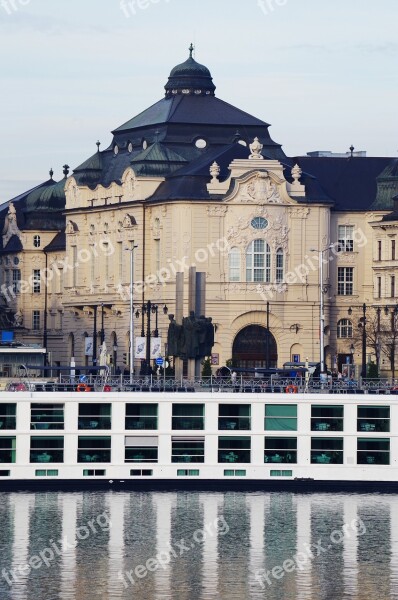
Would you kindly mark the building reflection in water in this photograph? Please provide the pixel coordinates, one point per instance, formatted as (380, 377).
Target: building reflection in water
(265, 530)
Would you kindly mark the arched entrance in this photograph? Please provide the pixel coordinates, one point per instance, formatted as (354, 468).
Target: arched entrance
(250, 348)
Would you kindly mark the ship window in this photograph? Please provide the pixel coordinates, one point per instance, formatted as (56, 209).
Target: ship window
(4, 473)
(327, 418)
(141, 472)
(47, 416)
(280, 417)
(234, 416)
(280, 450)
(7, 449)
(327, 451)
(373, 418)
(234, 472)
(94, 416)
(46, 472)
(373, 451)
(188, 416)
(234, 449)
(141, 449)
(94, 472)
(8, 419)
(185, 449)
(46, 449)
(94, 449)
(188, 473)
(141, 416)
(281, 473)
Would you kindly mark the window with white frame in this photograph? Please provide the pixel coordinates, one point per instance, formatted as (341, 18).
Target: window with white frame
(344, 328)
(36, 320)
(258, 262)
(36, 281)
(16, 280)
(345, 281)
(346, 238)
(234, 264)
(279, 266)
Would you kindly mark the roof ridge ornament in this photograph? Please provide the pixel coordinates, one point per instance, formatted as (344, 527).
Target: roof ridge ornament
(191, 50)
(255, 149)
(66, 171)
(296, 173)
(51, 173)
(215, 172)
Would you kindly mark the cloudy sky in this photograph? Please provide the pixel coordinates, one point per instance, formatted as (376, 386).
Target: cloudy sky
(322, 72)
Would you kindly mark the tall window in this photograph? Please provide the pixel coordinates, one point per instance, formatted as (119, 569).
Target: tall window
(36, 281)
(344, 328)
(258, 262)
(379, 287)
(74, 266)
(120, 261)
(16, 280)
(36, 241)
(105, 246)
(379, 250)
(392, 286)
(346, 238)
(392, 249)
(157, 255)
(36, 320)
(234, 264)
(345, 281)
(279, 265)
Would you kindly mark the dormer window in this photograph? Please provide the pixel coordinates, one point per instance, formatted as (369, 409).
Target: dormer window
(130, 147)
(116, 150)
(201, 143)
(36, 241)
(144, 145)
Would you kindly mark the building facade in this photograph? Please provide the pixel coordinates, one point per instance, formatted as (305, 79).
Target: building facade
(194, 181)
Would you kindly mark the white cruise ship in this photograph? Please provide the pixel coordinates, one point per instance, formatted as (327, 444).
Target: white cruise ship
(203, 439)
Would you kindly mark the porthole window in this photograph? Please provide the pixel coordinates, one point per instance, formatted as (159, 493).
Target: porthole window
(201, 143)
(16, 260)
(130, 147)
(259, 223)
(116, 150)
(36, 241)
(242, 142)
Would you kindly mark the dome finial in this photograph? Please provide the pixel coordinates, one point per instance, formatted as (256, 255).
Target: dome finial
(51, 173)
(66, 171)
(191, 49)
(98, 144)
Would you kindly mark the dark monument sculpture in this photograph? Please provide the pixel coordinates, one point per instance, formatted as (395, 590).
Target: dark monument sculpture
(193, 339)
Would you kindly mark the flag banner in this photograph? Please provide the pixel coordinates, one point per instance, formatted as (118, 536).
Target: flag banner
(140, 347)
(156, 348)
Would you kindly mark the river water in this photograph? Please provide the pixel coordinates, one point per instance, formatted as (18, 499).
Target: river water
(198, 546)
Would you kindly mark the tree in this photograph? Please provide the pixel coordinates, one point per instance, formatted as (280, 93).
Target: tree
(206, 370)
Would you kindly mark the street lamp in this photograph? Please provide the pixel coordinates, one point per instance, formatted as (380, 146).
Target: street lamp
(131, 362)
(149, 309)
(321, 307)
(362, 323)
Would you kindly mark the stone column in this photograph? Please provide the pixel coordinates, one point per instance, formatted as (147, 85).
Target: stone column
(178, 317)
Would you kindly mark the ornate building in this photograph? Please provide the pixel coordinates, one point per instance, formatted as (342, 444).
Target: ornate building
(194, 181)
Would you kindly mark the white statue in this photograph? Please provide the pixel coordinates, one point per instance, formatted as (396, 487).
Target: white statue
(255, 149)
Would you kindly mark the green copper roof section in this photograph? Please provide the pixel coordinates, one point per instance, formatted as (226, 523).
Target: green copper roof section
(387, 187)
(157, 160)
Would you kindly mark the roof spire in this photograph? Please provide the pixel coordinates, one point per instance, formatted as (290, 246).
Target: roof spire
(98, 144)
(51, 173)
(66, 171)
(352, 148)
(191, 49)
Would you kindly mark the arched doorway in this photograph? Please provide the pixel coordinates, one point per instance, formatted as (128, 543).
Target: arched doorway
(250, 348)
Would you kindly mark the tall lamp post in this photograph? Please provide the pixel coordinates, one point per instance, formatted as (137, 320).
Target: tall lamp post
(321, 308)
(131, 361)
(149, 309)
(362, 322)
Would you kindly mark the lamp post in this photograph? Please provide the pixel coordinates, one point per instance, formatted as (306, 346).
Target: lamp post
(131, 340)
(394, 313)
(267, 340)
(321, 308)
(362, 322)
(102, 324)
(149, 309)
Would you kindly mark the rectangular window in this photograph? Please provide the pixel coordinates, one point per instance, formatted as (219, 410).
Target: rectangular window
(120, 261)
(346, 238)
(379, 287)
(345, 281)
(327, 418)
(280, 417)
(373, 418)
(46, 449)
(141, 449)
(36, 320)
(46, 472)
(373, 451)
(327, 451)
(4, 473)
(92, 264)
(74, 266)
(185, 449)
(234, 416)
(47, 416)
(392, 286)
(188, 416)
(94, 416)
(234, 264)
(392, 249)
(7, 449)
(188, 473)
(94, 472)
(8, 416)
(105, 249)
(141, 472)
(94, 449)
(36, 281)
(157, 256)
(234, 449)
(141, 416)
(379, 250)
(280, 450)
(281, 473)
(234, 472)
(16, 280)
(279, 266)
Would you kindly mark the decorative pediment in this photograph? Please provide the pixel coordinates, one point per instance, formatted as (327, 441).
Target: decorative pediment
(275, 230)
(259, 187)
(129, 222)
(10, 225)
(71, 228)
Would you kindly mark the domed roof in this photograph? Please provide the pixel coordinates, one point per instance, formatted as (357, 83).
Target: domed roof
(51, 198)
(190, 77)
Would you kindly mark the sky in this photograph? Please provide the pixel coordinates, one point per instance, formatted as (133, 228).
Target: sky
(321, 72)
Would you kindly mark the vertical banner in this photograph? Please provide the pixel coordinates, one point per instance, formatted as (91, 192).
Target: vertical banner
(140, 347)
(88, 346)
(156, 348)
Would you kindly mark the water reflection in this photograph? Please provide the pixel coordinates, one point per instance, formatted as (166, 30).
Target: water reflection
(228, 546)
